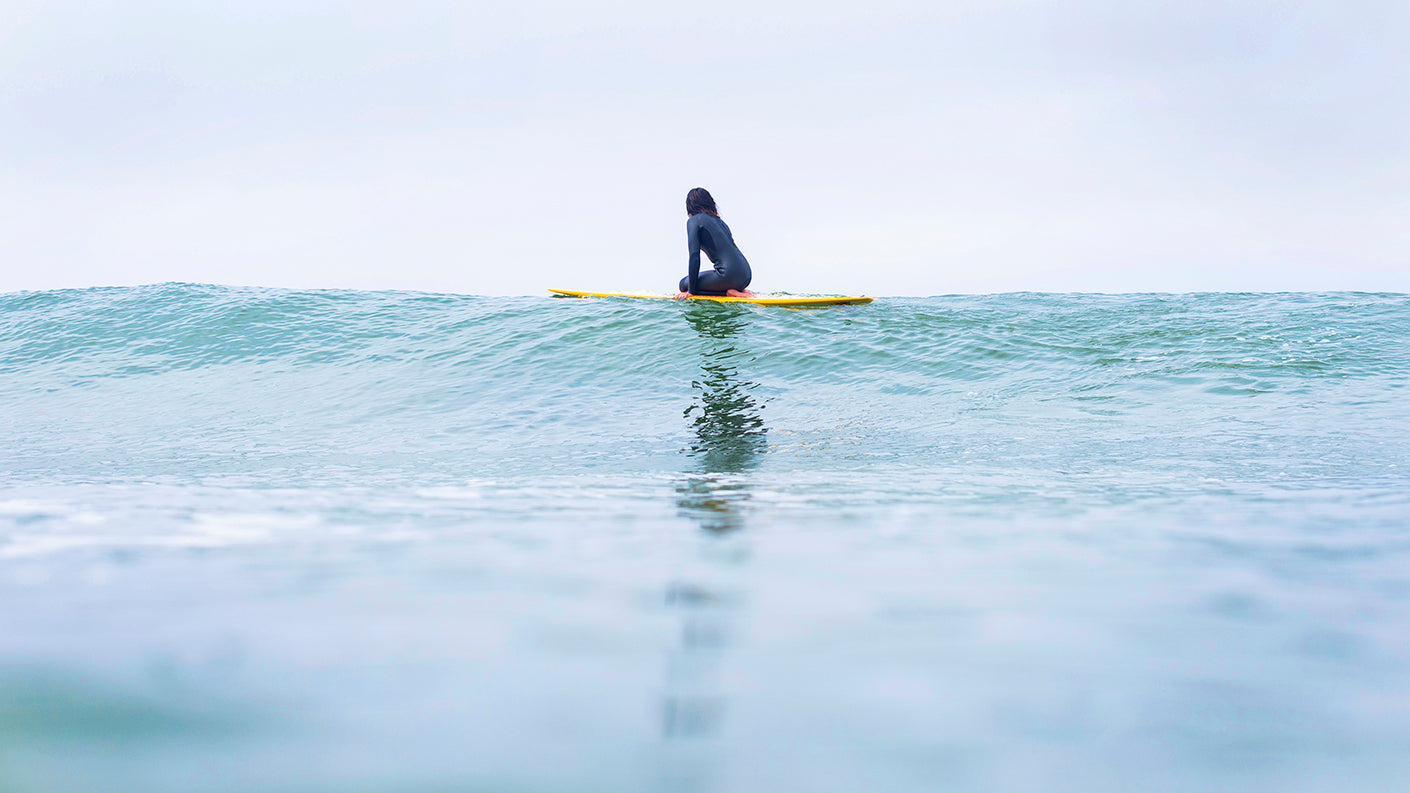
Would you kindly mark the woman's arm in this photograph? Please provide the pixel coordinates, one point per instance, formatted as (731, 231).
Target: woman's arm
(692, 238)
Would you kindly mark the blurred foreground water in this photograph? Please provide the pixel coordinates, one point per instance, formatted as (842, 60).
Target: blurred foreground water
(343, 541)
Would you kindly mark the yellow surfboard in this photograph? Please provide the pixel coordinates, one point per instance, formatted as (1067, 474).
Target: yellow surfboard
(777, 300)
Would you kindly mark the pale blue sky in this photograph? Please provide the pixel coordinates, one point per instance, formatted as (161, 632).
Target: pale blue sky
(879, 148)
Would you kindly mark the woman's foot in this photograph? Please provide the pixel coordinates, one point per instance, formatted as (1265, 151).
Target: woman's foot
(740, 293)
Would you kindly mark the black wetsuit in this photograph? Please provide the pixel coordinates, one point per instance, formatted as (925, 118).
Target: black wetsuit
(710, 234)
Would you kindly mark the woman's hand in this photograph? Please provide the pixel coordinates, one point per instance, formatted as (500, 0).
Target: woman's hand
(682, 295)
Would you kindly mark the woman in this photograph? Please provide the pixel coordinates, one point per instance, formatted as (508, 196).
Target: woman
(705, 231)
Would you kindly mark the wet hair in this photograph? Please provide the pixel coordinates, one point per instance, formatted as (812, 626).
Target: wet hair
(699, 200)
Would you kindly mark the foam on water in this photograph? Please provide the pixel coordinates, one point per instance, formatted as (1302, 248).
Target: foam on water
(331, 540)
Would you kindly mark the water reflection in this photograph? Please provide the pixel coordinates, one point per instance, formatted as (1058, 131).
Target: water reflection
(727, 421)
(728, 439)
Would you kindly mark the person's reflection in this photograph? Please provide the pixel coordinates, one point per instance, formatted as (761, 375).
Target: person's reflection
(728, 439)
(729, 429)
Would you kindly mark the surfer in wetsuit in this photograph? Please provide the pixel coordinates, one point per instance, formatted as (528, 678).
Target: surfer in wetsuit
(705, 231)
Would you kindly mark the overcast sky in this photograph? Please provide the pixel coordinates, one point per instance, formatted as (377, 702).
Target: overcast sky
(883, 148)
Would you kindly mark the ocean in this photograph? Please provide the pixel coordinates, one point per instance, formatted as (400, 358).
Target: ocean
(275, 540)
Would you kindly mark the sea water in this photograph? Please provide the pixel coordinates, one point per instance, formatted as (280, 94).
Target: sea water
(256, 539)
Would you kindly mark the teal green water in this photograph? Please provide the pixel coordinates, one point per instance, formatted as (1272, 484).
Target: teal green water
(346, 541)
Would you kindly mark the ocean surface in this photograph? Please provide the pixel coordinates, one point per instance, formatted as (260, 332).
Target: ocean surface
(256, 539)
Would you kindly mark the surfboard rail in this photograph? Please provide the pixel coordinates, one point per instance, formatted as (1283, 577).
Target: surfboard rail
(779, 300)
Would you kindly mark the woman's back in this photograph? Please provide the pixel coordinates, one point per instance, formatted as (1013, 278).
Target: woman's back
(715, 239)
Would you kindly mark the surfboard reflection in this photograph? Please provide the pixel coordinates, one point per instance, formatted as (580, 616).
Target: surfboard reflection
(727, 420)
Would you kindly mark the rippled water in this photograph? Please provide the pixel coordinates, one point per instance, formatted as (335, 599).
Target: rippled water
(342, 541)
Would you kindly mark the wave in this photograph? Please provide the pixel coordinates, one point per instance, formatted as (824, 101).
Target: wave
(73, 337)
(180, 378)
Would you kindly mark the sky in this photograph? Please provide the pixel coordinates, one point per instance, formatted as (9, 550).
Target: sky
(882, 148)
